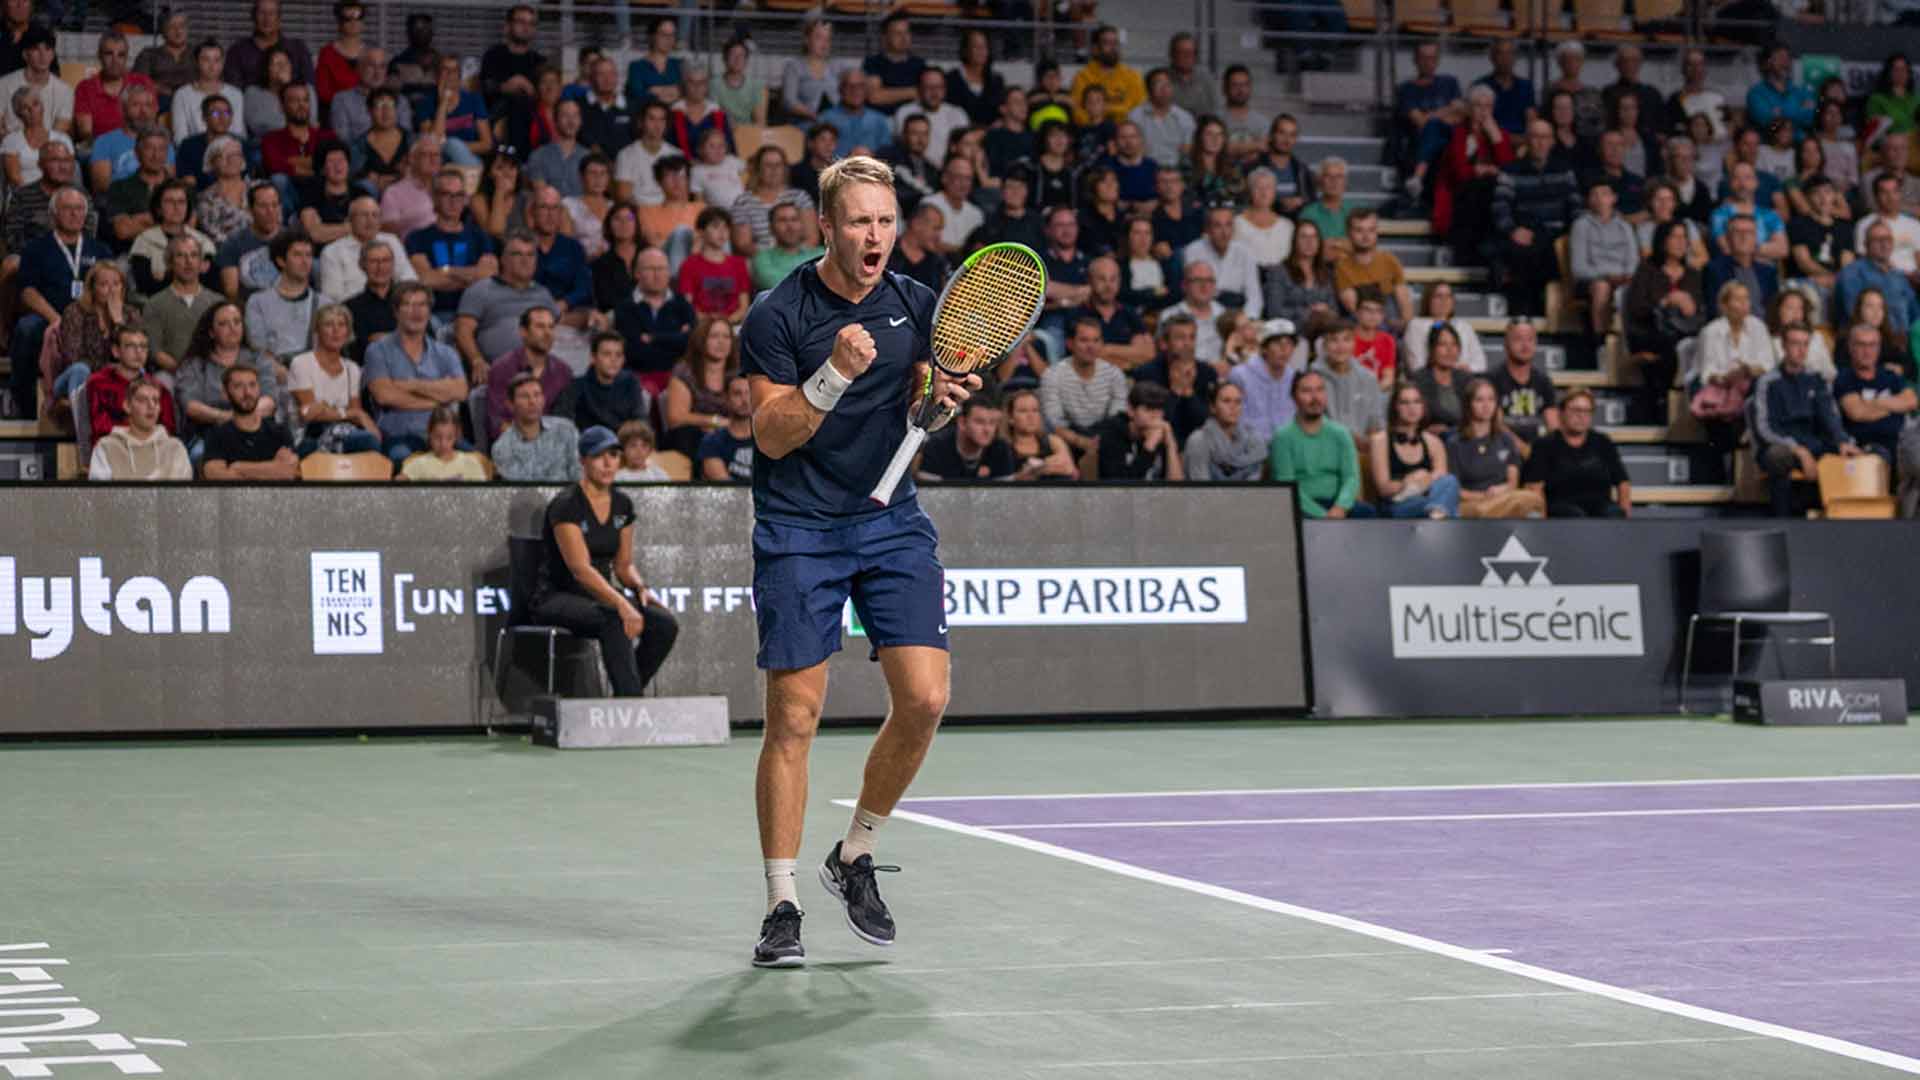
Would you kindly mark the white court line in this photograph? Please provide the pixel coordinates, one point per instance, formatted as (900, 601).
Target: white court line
(1423, 787)
(1835, 808)
(1400, 937)
(1220, 1006)
(1346, 1055)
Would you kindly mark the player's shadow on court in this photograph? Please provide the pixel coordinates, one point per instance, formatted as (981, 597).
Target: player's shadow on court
(767, 1009)
(763, 1021)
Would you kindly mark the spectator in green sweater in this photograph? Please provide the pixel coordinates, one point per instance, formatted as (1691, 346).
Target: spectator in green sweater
(1316, 454)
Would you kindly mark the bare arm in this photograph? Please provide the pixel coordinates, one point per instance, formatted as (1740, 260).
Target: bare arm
(1059, 460)
(206, 415)
(37, 304)
(1377, 451)
(99, 174)
(714, 470)
(679, 409)
(783, 418)
(390, 394)
(573, 551)
(466, 339)
(322, 233)
(1775, 248)
(1131, 355)
(1176, 469)
(433, 277)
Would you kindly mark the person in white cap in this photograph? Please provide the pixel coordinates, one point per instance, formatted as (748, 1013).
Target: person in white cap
(1268, 381)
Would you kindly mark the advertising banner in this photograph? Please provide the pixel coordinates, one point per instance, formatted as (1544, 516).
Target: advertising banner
(1546, 618)
(166, 608)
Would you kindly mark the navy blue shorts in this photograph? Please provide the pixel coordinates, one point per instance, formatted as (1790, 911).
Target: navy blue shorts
(802, 579)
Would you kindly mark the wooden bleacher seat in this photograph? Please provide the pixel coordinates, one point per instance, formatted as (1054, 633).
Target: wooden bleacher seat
(1421, 16)
(368, 465)
(1484, 18)
(1605, 20)
(677, 466)
(1682, 495)
(1361, 14)
(1660, 19)
(1566, 308)
(748, 138)
(1089, 462)
(1856, 487)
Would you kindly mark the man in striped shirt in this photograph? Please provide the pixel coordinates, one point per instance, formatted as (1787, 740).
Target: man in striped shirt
(1076, 396)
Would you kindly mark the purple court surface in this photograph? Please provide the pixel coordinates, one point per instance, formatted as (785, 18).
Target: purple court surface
(1788, 902)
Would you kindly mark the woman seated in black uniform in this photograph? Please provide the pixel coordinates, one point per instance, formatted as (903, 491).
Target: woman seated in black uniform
(587, 555)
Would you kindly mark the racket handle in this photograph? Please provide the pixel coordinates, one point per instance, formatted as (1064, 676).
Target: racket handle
(897, 468)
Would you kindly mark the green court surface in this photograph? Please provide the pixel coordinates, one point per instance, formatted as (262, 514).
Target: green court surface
(481, 908)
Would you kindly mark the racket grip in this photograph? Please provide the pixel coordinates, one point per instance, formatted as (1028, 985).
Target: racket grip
(897, 468)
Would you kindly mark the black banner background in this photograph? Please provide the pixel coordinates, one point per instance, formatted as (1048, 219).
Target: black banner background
(264, 673)
(1862, 572)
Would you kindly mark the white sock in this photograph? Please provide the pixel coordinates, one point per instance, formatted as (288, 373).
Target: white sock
(861, 834)
(780, 884)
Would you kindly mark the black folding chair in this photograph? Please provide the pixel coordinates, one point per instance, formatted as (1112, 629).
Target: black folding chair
(513, 676)
(1744, 580)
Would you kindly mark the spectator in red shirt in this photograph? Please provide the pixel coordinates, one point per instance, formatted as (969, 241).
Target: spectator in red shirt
(1373, 347)
(107, 387)
(339, 65)
(713, 278)
(289, 152)
(96, 101)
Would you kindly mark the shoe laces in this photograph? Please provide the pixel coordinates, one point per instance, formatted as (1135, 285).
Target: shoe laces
(778, 919)
(860, 880)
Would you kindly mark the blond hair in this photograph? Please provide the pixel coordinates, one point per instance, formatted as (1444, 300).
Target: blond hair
(859, 169)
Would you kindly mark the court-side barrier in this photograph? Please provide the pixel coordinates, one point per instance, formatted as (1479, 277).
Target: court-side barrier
(154, 608)
(1554, 618)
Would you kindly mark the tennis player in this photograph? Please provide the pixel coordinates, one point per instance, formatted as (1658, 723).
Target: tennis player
(834, 355)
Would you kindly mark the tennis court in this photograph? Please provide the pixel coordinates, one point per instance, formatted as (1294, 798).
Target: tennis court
(1578, 899)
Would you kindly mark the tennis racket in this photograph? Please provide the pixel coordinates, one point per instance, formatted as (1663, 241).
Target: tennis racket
(988, 305)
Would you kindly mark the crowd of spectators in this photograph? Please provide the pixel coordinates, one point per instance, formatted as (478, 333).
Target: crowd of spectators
(1707, 233)
(334, 250)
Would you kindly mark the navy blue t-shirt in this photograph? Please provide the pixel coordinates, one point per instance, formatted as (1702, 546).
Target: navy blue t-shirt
(1136, 181)
(788, 334)
(445, 249)
(47, 266)
(894, 74)
(1883, 385)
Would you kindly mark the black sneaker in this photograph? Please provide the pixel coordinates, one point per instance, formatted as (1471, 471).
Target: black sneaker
(779, 944)
(852, 884)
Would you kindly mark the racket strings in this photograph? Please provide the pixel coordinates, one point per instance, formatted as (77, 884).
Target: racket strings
(987, 311)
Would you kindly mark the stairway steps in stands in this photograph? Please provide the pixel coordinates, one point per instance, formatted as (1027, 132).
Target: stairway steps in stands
(1367, 179)
(1353, 149)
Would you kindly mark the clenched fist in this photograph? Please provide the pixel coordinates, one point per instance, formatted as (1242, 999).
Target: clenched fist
(853, 351)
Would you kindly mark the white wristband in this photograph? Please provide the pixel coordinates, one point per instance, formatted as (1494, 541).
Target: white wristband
(824, 387)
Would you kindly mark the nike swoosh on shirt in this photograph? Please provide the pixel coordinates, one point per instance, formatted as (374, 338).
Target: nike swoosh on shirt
(896, 322)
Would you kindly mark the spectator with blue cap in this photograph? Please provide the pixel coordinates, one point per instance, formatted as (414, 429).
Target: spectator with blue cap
(587, 581)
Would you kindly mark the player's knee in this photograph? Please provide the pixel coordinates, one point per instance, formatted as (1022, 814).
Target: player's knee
(924, 703)
(790, 729)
